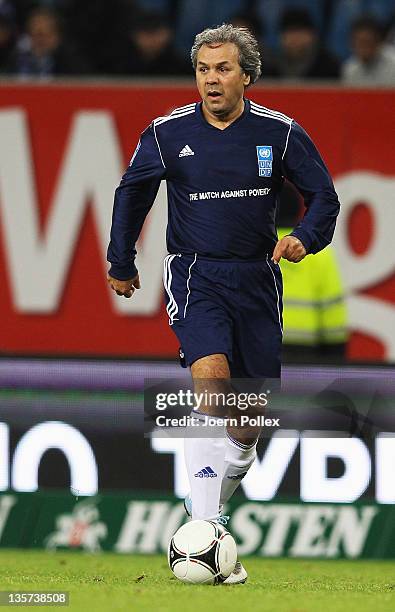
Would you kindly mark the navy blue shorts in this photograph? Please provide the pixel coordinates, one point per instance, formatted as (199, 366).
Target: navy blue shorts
(229, 307)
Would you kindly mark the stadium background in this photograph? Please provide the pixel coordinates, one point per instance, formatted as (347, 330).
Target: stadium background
(75, 359)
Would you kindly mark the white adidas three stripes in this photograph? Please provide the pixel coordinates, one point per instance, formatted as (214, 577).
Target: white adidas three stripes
(172, 306)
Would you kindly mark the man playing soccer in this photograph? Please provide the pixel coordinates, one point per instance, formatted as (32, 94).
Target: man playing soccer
(224, 160)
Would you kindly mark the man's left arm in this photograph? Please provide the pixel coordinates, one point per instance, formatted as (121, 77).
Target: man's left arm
(304, 167)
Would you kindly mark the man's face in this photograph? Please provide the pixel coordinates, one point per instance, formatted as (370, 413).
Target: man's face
(44, 34)
(152, 42)
(219, 77)
(296, 43)
(366, 44)
(5, 33)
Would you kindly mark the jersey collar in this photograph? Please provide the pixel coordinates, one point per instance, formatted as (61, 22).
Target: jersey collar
(202, 120)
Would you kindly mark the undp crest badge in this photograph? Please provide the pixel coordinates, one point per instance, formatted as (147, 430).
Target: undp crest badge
(265, 159)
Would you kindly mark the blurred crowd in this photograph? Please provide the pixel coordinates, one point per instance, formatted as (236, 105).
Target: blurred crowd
(348, 40)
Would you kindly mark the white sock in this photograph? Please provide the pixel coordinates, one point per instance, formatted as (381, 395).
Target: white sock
(204, 459)
(238, 460)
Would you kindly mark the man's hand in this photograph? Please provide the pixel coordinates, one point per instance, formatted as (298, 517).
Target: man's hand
(290, 248)
(124, 287)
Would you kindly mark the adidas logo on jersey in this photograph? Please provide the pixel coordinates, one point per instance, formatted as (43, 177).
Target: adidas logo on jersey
(206, 472)
(186, 151)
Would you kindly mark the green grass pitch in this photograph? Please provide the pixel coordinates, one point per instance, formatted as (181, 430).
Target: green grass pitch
(107, 582)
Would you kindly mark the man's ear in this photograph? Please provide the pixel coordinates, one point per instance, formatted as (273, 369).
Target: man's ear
(247, 80)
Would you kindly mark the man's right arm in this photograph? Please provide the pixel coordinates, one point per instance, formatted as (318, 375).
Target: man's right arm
(133, 200)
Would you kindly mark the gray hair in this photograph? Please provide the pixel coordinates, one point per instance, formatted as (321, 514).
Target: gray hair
(249, 56)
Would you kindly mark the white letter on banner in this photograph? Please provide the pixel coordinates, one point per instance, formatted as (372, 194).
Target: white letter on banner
(314, 482)
(38, 261)
(246, 525)
(4, 454)
(142, 527)
(54, 434)
(350, 531)
(377, 190)
(283, 517)
(264, 477)
(385, 467)
(368, 314)
(175, 518)
(6, 504)
(176, 447)
(310, 539)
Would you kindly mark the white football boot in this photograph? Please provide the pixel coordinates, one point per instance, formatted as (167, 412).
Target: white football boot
(239, 574)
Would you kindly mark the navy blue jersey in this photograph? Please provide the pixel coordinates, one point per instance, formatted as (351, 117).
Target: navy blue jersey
(222, 186)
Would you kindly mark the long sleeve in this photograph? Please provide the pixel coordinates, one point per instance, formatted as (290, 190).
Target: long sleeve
(304, 167)
(133, 199)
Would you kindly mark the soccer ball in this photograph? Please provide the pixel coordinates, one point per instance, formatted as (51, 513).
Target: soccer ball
(202, 552)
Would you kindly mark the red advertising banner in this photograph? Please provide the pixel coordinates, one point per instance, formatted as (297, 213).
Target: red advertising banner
(63, 149)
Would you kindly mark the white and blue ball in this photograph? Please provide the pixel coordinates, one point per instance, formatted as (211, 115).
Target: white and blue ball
(202, 552)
